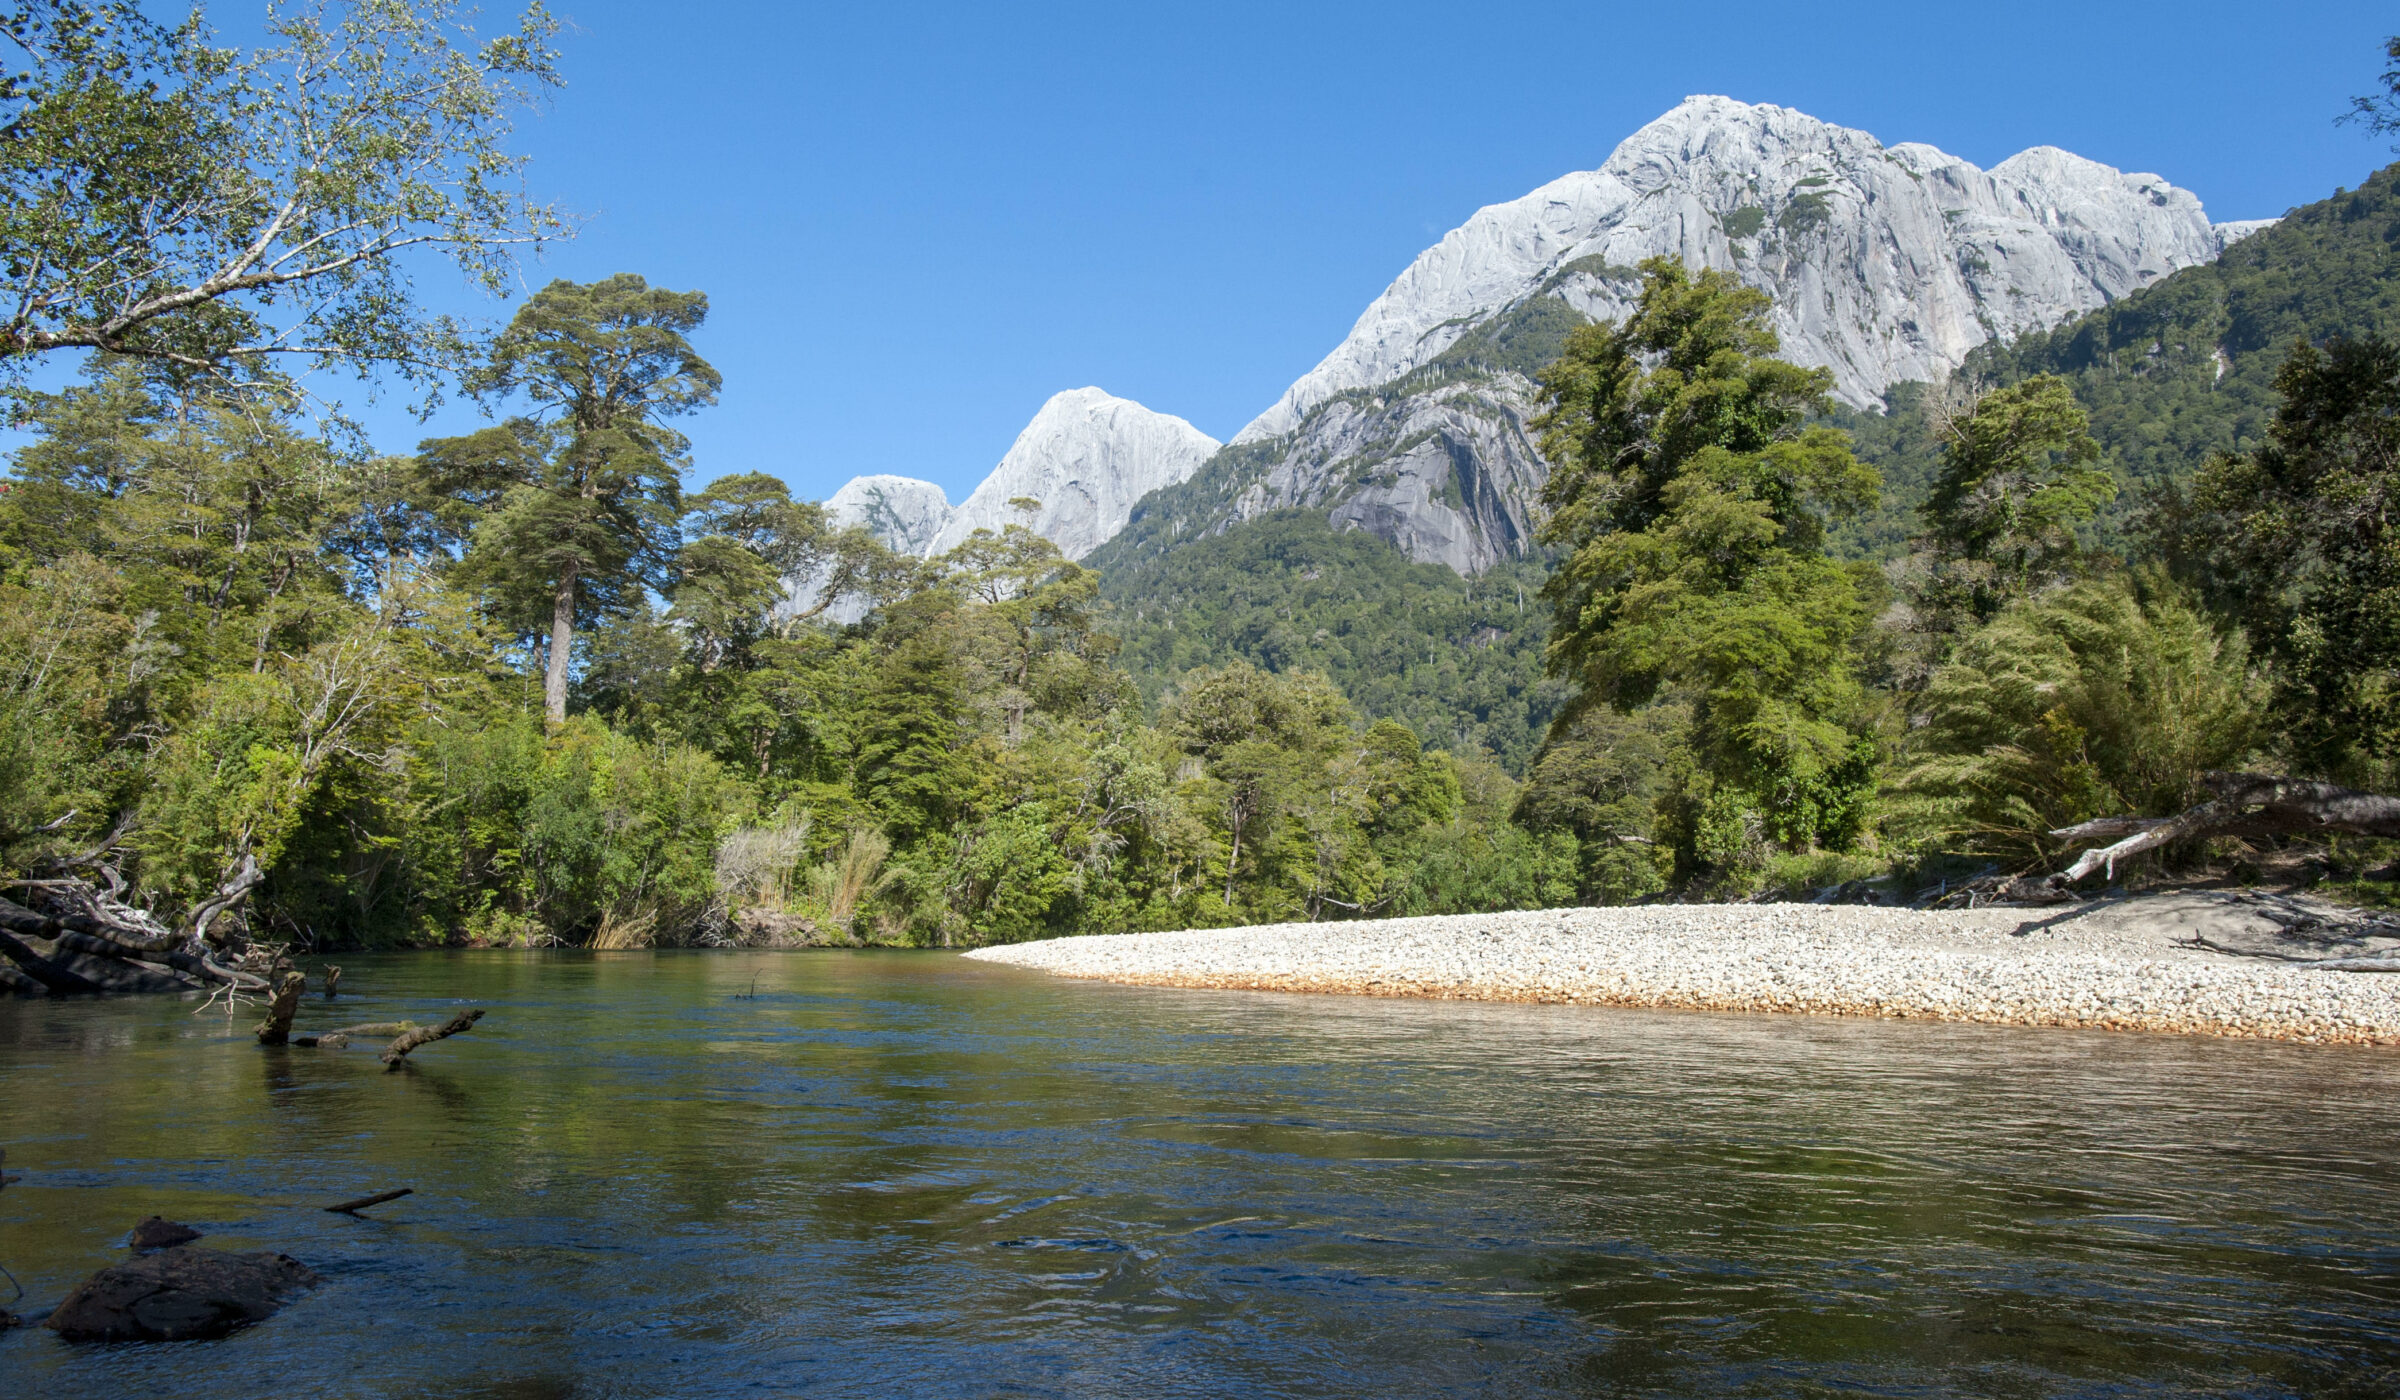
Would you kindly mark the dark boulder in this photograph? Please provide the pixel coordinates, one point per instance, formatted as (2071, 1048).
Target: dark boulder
(179, 1294)
(158, 1232)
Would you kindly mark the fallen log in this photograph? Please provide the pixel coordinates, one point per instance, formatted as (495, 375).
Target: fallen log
(400, 1049)
(354, 1207)
(2243, 804)
(56, 980)
(95, 937)
(340, 1036)
(80, 908)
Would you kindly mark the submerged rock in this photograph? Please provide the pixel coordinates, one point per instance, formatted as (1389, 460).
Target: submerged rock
(158, 1232)
(179, 1294)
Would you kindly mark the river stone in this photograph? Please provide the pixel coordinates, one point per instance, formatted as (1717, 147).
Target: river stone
(158, 1232)
(179, 1294)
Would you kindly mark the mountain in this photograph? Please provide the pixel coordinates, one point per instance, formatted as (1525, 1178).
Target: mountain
(903, 512)
(2181, 369)
(1885, 264)
(1086, 457)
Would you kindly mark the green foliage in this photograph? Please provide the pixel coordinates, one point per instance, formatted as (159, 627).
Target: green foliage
(1745, 222)
(2108, 698)
(1456, 660)
(1804, 212)
(1602, 777)
(2017, 481)
(2297, 540)
(1691, 495)
(208, 211)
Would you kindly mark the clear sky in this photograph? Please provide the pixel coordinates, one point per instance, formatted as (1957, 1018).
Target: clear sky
(915, 222)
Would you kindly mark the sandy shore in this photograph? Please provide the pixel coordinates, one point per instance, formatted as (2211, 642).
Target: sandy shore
(2120, 966)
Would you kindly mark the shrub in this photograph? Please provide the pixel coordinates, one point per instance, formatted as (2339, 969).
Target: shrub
(2107, 698)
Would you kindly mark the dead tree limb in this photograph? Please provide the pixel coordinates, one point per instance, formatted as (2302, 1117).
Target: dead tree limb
(235, 889)
(399, 1049)
(337, 1038)
(354, 1207)
(277, 1028)
(2386, 961)
(127, 935)
(333, 981)
(2243, 804)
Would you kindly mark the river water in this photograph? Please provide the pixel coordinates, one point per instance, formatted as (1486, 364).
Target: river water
(890, 1174)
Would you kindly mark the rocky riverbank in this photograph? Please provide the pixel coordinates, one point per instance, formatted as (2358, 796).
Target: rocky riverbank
(2227, 964)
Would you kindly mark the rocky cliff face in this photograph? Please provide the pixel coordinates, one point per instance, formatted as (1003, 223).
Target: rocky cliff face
(1084, 461)
(903, 512)
(1885, 264)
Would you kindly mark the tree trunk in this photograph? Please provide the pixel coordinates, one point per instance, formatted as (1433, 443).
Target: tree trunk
(58, 981)
(2245, 804)
(562, 647)
(277, 1028)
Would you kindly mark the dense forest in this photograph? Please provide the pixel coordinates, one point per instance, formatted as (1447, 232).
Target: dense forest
(544, 683)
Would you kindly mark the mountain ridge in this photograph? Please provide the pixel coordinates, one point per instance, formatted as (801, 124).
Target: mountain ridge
(1886, 264)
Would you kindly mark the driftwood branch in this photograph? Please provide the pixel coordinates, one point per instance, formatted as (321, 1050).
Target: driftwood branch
(339, 1037)
(2385, 961)
(77, 918)
(2242, 804)
(354, 1207)
(399, 1049)
(228, 896)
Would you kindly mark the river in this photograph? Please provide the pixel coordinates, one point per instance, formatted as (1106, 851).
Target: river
(892, 1174)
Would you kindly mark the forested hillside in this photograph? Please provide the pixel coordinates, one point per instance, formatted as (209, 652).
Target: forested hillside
(1456, 660)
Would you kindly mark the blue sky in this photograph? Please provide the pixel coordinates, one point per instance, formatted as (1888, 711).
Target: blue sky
(916, 222)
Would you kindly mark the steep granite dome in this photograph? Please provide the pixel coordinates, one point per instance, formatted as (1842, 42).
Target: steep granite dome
(1087, 457)
(903, 512)
(1885, 264)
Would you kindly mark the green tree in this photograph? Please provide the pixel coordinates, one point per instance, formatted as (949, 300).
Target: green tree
(1600, 779)
(2298, 540)
(576, 504)
(1262, 740)
(2379, 112)
(1691, 492)
(211, 211)
(2020, 475)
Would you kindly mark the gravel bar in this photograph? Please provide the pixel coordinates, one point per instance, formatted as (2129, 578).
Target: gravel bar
(2119, 970)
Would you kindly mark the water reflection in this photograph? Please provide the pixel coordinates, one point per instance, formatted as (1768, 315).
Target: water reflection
(893, 1174)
